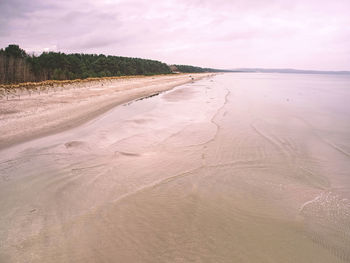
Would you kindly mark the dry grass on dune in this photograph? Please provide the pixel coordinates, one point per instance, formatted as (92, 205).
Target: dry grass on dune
(8, 91)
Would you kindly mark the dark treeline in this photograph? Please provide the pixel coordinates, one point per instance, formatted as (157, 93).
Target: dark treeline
(193, 69)
(17, 66)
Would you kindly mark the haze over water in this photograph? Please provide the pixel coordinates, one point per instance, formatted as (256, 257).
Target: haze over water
(234, 168)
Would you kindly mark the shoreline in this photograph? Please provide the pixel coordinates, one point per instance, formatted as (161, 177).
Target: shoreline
(39, 115)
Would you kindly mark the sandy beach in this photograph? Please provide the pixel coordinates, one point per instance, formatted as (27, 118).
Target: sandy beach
(232, 168)
(53, 110)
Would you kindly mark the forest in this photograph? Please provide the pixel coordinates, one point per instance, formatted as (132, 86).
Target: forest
(16, 66)
(193, 69)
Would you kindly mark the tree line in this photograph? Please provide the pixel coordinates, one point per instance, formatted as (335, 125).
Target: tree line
(193, 69)
(17, 66)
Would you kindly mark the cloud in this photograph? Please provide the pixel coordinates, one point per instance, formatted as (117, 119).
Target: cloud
(240, 33)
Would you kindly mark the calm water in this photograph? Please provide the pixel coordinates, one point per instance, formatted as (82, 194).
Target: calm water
(235, 168)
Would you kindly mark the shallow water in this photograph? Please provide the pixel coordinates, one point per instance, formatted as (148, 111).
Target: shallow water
(235, 168)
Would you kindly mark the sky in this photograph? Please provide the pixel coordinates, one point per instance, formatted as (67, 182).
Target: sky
(302, 34)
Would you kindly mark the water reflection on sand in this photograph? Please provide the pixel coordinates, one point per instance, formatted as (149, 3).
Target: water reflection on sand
(237, 168)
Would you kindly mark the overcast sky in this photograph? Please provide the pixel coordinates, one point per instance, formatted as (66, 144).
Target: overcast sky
(304, 34)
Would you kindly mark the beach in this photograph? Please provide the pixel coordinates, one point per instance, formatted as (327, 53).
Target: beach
(235, 167)
(35, 114)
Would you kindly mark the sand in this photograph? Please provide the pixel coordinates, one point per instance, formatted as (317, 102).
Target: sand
(234, 168)
(53, 110)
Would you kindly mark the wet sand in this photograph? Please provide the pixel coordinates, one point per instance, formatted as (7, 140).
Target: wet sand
(35, 114)
(235, 168)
